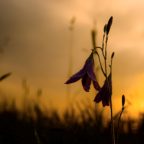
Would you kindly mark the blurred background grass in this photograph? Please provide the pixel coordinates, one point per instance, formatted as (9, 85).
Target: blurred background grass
(87, 124)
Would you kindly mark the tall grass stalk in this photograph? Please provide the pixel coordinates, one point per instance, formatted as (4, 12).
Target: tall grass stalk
(70, 65)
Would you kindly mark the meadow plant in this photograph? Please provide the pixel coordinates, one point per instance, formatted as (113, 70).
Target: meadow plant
(88, 76)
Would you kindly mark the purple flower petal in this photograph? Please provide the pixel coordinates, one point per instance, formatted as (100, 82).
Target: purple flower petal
(87, 74)
(86, 82)
(105, 93)
(91, 73)
(105, 102)
(98, 98)
(90, 68)
(89, 62)
(76, 76)
(103, 96)
(96, 85)
(81, 73)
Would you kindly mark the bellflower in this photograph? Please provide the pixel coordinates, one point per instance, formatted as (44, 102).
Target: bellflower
(105, 93)
(86, 74)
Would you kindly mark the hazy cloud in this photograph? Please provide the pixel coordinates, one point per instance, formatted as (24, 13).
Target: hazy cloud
(39, 37)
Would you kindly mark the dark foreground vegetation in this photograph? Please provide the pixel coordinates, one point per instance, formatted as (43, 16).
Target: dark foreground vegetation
(51, 128)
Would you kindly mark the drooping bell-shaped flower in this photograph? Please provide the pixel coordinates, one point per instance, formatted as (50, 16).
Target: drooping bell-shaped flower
(86, 74)
(105, 92)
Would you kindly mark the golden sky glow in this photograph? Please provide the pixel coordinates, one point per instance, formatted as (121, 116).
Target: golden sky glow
(39, 41)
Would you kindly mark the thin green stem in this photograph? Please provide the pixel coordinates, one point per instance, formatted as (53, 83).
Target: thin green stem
(103, 45)
(105, 55)
(95, 50)
(103, 41)
(101, 64)
(111, 106)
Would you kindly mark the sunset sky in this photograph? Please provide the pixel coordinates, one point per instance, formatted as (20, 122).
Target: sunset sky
(35, 40)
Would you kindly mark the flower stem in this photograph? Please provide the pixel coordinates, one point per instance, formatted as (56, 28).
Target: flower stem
(111, 106)
(101, 64)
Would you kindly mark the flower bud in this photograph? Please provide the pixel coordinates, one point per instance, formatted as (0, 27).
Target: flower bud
(109, 25)
(112, 55)
(123, 100)
(105, 28)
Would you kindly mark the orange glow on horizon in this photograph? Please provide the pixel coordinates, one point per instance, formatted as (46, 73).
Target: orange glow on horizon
(60, 102)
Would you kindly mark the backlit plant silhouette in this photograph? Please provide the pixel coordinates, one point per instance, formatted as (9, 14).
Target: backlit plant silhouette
(87, 75)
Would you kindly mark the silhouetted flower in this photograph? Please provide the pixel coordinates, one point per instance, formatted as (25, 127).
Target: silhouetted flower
(86, 74)
(105, 93)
